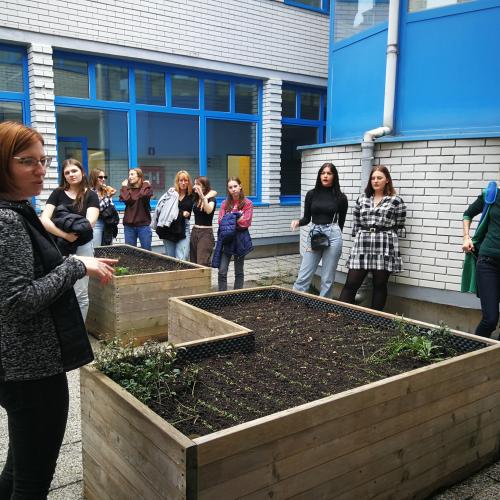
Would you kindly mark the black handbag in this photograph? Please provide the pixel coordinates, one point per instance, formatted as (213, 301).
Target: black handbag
(319, 239)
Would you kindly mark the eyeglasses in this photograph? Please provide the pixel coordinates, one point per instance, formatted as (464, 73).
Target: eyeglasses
(102, 176)
(33, 162)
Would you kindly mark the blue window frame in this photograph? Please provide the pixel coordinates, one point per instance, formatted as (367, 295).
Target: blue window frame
(302, 123)
(322, 6)
(164, 124)
(14, 96)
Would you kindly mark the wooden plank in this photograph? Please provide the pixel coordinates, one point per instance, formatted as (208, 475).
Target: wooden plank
(164, 276)
(120, 431)
(297, 452)
(251, 434)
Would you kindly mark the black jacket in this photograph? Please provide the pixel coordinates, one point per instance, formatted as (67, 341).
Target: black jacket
(69, 222)
(111, 220)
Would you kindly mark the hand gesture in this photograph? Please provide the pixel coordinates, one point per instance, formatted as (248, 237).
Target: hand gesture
(125, 183)
(102, 269)
(294, 224)
(71, 237)
(468, 246)
(186, 214)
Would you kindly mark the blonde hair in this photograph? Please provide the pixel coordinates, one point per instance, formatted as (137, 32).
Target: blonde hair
(180, 174)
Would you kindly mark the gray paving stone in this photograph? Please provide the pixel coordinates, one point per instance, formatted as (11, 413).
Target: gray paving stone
(70, 492)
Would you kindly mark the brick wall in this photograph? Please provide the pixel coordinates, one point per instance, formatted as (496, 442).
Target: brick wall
(257, 33)
(437, 180)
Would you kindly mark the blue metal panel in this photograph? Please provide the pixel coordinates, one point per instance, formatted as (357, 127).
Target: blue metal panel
(356, 85)
(449, 70)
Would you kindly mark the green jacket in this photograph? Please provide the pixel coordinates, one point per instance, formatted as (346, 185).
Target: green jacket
(469, 267)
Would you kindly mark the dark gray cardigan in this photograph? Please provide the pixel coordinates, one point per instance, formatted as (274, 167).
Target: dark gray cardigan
(29, 344)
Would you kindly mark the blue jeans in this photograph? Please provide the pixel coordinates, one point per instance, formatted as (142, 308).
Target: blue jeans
(144, 234)
(178, 249)
(81, 287)
(488, 284)
(311, 258)
(98, 231)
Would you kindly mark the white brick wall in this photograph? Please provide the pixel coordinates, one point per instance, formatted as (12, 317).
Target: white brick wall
(259, 33)
(437, 180)
(41, 89)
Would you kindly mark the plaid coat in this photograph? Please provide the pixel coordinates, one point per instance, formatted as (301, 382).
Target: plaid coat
(375, 232)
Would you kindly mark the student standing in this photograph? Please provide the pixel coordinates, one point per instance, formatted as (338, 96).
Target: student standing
(326, 206)
(97, 180)
(136, 193)
(379, 215)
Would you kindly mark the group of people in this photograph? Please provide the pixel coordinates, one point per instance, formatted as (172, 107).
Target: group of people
(171, 221)
(378, 217)
(43, 307)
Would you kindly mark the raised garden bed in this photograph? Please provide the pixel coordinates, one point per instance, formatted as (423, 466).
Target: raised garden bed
(398, 437)
(135, 303)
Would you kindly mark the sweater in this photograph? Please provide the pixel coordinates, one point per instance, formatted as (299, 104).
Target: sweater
(323, 207)
(29, 337)
(137, 207)
(490, 245)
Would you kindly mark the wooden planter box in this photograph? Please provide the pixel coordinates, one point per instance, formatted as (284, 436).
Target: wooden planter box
(136, 306)
(401, 437)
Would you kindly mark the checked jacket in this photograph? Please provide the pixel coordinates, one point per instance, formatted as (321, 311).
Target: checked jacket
(375, 232)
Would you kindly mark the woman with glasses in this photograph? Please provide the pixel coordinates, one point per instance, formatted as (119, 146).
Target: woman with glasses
(97, 180)
(74, 196)
(42, 334)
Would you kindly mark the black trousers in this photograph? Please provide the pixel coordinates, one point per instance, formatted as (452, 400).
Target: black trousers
(488, 284)
(355, 279)
(37, 412)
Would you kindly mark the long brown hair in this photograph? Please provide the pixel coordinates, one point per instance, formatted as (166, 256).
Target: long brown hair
(139, 173)
(205, 188)
(94, 182)
(14, 138)
(229, 200)
(82, 188)
(388, 188)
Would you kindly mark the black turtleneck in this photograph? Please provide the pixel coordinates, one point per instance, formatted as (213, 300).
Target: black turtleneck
(323, 207)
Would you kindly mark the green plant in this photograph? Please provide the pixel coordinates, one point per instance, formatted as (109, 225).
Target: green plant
(432, 345)
(121, 271)
(148, 372)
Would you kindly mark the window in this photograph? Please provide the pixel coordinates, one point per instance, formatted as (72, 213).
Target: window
(317, 5)
(417, 5)
(185, 92)
(150, 87)
(111, 82)
(159, 119)
(97, 138)
(354, 16)
(246, 98)
(217, 95)
(71, 78)
(166, 144)
(303, 123)
(13, 84)
(231, 151)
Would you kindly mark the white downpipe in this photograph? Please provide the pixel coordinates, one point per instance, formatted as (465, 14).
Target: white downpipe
(367, 146)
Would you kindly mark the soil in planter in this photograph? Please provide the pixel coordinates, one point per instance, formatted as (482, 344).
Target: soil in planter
(301, 355)
(137, 262)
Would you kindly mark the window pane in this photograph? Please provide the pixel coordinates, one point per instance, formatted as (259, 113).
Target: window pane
(352, 17)
(11, 71)
(103, 134)
(71, 78)
(310, 3)
(309, 106)
(165, 145)
(216, 95)
(185, 92)
(149, 87)
(416, 5)
(289, 103)
(291, 138)
(11, 111)
(247, 98)
(231, 152)
(111, 82)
